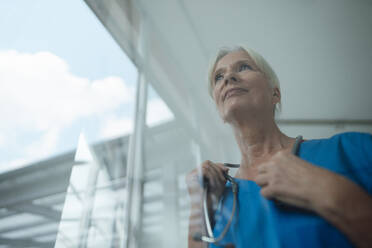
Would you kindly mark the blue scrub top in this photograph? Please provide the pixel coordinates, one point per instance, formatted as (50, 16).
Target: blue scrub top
(263, 223)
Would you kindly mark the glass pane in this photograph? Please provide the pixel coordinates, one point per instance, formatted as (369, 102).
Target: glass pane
(93, 214)
(157, 111)
(66, 86)
(168, 157)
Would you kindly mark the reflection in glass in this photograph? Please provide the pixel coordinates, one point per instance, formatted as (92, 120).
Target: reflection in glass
(58, 77)
(93, 212)
(168, 157)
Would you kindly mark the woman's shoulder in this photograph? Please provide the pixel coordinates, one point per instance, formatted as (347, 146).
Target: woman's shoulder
(352, 138)
(353, 148)
(349, 142)
(347, 153)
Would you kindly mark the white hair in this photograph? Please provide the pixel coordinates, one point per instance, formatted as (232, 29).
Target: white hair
(261, 63)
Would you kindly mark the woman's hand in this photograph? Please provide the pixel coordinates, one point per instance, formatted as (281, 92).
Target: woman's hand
(289, 179)
(211, 172)
(340, 201)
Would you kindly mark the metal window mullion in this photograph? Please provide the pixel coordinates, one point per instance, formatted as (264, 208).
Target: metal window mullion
(135, 167)
(135, 161)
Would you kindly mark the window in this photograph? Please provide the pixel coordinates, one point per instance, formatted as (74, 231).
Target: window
(66, 85)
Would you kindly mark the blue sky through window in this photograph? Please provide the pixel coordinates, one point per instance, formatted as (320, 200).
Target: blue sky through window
(60, 73)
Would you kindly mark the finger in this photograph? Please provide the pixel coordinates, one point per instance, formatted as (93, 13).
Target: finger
(261, 169)
(217, 178)
(222, 170)
(210, 173)
(267, 192)
(222, 167)
(262, 180)
(219, 175)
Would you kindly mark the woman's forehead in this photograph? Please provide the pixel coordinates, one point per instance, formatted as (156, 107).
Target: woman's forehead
(231, 58)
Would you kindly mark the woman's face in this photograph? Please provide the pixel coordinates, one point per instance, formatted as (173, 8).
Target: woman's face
(241, 89)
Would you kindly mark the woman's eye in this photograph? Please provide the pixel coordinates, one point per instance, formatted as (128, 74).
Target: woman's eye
(217, 78)
(244, 67)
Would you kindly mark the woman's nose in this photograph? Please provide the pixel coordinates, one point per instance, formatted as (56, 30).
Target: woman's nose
(231, 78)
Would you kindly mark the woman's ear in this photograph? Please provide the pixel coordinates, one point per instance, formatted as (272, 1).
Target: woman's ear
(276, 95)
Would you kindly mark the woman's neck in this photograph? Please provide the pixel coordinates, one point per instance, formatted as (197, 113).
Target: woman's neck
(258, 141)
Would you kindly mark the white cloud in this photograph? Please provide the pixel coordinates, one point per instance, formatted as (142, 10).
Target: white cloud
(157, 112)
(38, 90)
(116, 127)
(44, 146)
(37, 150)
(39, 95)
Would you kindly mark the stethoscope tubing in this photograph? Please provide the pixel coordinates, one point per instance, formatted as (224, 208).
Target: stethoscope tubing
(210, 238)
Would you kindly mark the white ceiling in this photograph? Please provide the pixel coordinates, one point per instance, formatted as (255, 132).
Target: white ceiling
(321, 51)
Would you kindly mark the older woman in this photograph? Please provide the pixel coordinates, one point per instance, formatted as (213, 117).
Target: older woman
(319, 198)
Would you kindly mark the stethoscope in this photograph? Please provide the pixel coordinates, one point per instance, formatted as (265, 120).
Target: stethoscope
(234, 187)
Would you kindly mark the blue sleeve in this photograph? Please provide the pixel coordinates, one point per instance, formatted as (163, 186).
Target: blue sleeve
(366, 150)
(358, 147)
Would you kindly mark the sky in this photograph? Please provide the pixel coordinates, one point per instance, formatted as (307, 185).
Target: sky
(61, 74)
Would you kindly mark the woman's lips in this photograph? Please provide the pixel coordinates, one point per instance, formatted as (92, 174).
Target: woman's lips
(233, 92)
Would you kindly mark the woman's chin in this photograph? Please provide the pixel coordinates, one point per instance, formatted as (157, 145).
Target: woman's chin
(236, 112)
